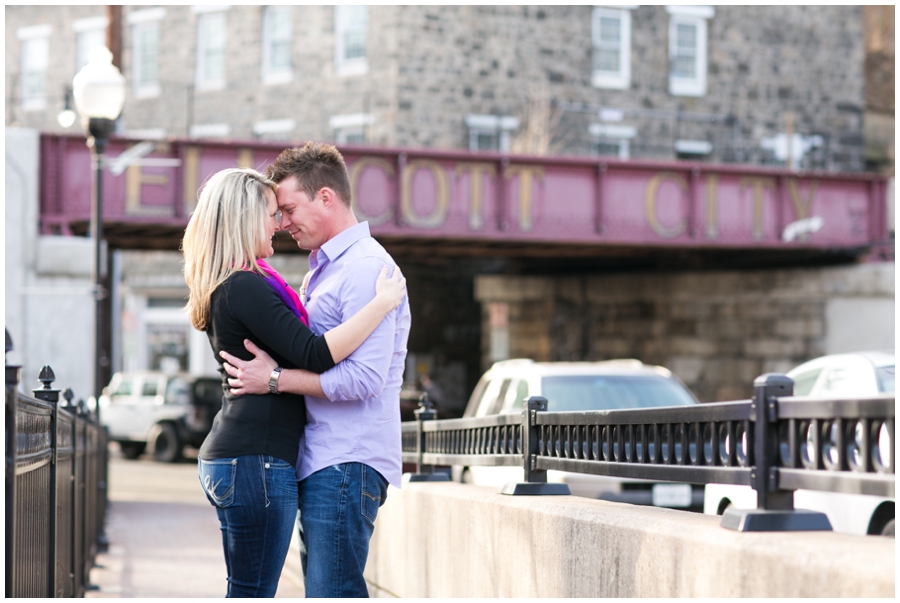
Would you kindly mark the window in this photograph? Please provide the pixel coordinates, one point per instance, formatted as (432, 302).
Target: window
(211, 43)
(274, 129)
(692, 149)
(612, 140)
(611, 34)
(276, 52)
(35, 53)
(145, 51)
(490, 132)
(219, 130)
(350, 129)
(687, 49)
(89, 34)
(351, 25)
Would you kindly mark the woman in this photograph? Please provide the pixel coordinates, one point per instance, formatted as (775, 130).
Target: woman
(246, 463)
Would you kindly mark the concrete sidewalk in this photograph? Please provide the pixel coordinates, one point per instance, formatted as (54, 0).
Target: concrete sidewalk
(164, 538)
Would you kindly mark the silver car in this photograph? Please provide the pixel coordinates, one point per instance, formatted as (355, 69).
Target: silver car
(852, 375)
(569, 386)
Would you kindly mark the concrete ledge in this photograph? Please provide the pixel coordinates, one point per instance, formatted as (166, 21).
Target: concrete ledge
(459, 540)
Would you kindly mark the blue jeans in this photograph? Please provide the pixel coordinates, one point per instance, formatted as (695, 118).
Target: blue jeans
(338, 506)
(256, 499)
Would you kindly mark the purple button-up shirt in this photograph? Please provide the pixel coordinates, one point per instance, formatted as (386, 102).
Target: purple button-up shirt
(359, 420)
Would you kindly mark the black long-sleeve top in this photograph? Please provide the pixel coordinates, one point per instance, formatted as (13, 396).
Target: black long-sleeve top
(246, 307)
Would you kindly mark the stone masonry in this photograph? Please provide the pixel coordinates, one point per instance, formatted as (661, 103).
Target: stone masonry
(431, 66)
(717, 331)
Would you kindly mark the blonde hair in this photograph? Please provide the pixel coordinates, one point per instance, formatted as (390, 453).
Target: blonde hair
(223, 235)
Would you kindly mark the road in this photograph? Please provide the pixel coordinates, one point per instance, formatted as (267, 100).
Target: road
(164, 538)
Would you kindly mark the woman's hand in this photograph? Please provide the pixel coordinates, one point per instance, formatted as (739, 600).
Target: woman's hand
(390, 290)
(249, 376)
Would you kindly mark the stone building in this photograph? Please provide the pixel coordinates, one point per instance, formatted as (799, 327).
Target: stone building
(780, 85)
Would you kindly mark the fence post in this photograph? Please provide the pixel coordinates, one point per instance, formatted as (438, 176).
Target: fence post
(775, 508)
(535, 483)
(424, 473)
(48, 394)
(12, 383)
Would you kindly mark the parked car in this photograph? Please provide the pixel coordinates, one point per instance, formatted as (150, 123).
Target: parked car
(610, 384)
(833, 376)
(164, 412)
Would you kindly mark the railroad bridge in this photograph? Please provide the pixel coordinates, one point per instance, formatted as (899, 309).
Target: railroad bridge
(555, 258)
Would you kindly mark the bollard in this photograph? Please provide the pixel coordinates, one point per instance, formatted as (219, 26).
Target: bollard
(535, 483)
(424, 473)
(775, 508)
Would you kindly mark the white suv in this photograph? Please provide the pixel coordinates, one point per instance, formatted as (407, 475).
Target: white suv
(834, 376)
(581, 386)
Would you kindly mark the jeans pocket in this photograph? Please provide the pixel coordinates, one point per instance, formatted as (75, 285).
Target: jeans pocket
(374, 492)
(280, 481)
(217, 478)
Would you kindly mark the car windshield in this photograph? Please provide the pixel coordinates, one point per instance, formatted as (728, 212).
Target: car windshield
(601, 392)
(885, 375)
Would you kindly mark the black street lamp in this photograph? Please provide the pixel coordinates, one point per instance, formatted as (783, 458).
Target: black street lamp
(99, 91)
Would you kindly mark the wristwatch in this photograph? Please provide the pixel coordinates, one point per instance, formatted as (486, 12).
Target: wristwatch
(273, 380)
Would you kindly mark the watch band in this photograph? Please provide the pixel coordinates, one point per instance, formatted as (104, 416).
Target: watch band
(273, 380)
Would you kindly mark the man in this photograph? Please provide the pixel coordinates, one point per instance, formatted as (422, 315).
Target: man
(350, 450)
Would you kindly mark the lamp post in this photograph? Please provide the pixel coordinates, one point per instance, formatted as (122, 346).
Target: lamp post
(99, 91)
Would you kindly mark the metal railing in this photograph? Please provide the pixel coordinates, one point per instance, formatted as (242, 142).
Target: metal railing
(776, 443)
(56, 471)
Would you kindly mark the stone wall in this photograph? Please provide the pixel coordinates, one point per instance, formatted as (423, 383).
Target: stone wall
(716, 330)
(431, 66)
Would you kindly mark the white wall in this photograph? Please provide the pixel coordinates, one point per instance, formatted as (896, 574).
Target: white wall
(49, 308)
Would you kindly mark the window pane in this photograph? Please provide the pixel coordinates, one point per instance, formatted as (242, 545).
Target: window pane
(577, 392)
(485, 141)
(684, 62)
(606, 59)
(610, 30)
(149, 388)
(278, 38)
(147, 40)
(86, 42)
(608, 148)
(353, 22)
(34, 66)
(212, 46)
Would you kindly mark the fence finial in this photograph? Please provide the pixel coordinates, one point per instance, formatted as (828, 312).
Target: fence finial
(47, 376)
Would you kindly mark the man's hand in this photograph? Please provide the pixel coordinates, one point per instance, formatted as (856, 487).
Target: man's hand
(249, 376)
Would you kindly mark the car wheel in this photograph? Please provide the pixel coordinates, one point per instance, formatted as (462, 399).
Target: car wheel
(888, 529)
(132, 450)
(166, 443)
(724, 505)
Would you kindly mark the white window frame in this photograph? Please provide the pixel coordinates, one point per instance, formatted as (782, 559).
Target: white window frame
(693, 147)
(220, 130)
(272, 74)
(621, 78)
(614, 134)
(278, 129)
(204, 15)
(697, 17)
(34, 39)
(495, 125)
(342, 27)
(90, 33)
(143, 22)
(348, 126)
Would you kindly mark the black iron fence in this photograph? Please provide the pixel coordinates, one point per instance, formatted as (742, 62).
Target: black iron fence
(776, 443)
(56, 470)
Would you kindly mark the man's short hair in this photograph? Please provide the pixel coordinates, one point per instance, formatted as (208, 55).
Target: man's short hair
(315, 165)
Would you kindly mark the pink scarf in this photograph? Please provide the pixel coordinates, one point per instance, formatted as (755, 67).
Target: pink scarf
(284, 291)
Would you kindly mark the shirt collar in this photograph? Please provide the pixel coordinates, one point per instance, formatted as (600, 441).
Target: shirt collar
(334, 247)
